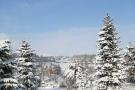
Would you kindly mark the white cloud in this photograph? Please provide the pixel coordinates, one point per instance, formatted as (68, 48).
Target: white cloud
(67, 42)
(3, 36)
(77, 40)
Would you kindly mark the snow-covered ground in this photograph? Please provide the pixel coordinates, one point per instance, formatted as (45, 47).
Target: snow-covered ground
(43, 88)
(128, 88)
(124, 88)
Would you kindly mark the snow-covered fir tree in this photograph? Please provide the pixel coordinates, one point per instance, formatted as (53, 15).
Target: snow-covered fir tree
(26, 67)
(82, 77)
(82, 74)
(7, 81)
(130, 63)
(108, 59)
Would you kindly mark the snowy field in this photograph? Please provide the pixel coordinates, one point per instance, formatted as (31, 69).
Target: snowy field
(41, 88)
(129, 88)
(124, 88)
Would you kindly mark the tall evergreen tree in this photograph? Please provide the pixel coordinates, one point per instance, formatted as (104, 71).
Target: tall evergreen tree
(26, 66)
(7, 82)
(130, 63)
(108, 58)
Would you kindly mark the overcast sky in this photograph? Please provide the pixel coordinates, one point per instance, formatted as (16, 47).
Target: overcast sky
(64, 27)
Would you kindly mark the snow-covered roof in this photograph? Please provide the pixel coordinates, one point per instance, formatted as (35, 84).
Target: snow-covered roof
(130, 46)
